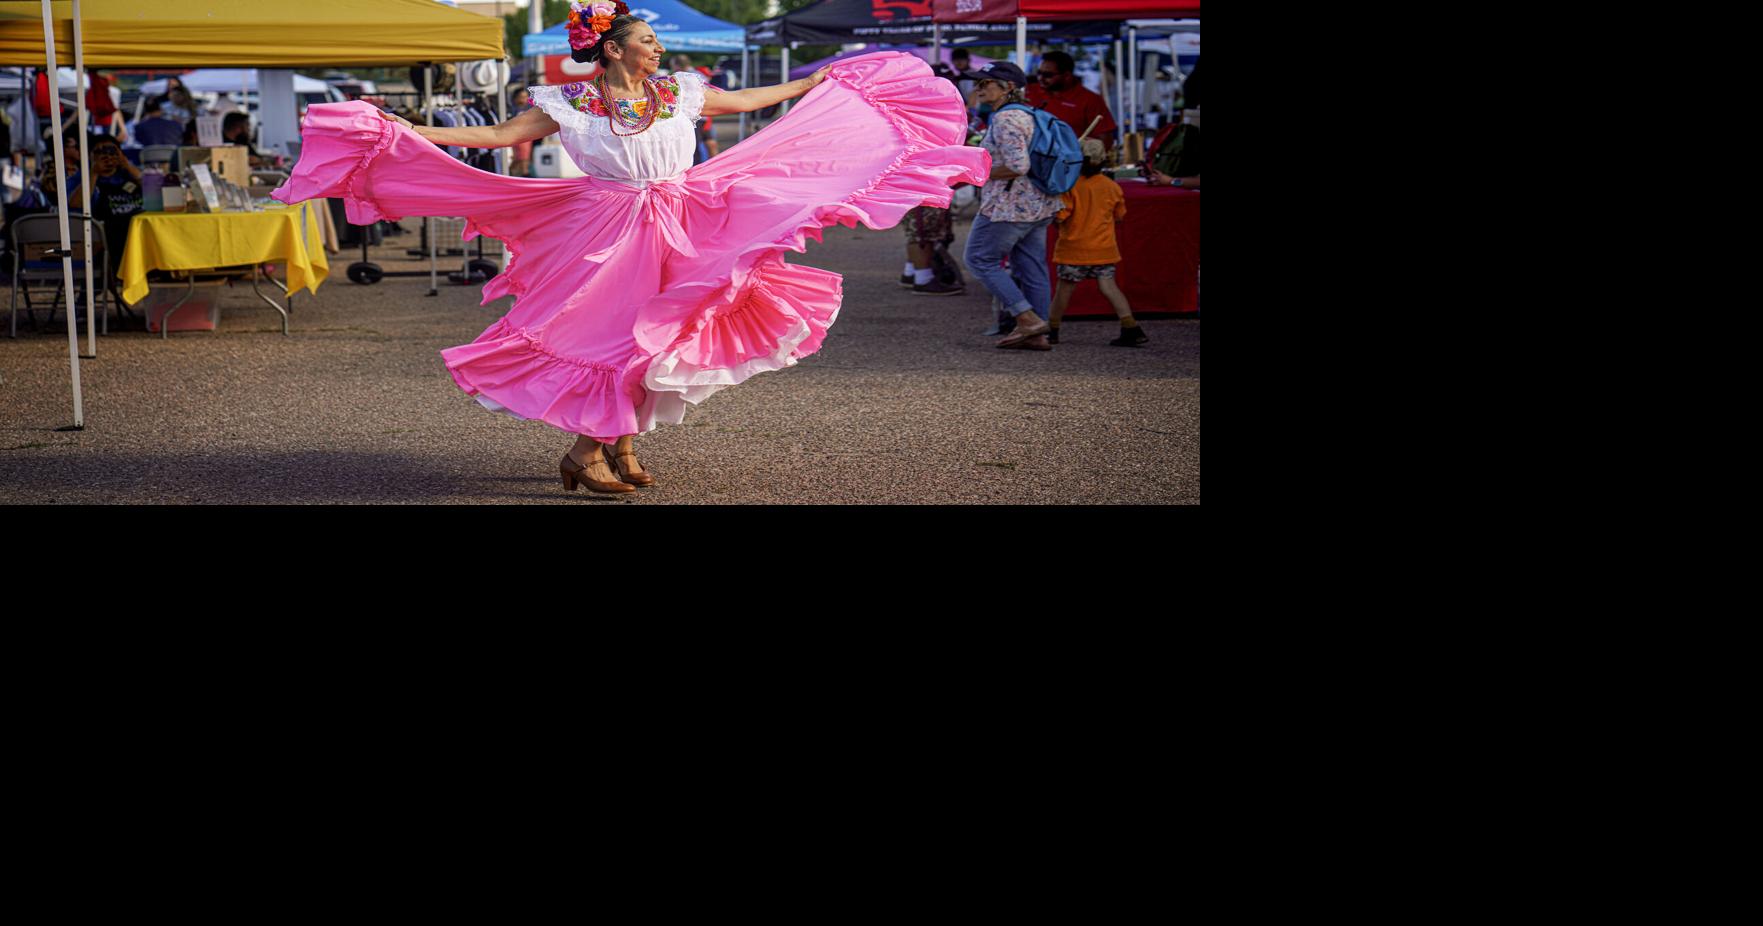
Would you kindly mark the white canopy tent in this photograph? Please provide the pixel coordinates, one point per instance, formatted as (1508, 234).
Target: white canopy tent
(12, 80)
(227, 80)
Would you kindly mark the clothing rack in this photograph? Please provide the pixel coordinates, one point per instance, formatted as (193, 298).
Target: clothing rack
(457, 113)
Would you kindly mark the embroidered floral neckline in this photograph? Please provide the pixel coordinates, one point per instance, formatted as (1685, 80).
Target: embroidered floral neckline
(585, 98)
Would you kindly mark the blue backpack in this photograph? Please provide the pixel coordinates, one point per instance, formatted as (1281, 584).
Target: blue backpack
(1055, 159)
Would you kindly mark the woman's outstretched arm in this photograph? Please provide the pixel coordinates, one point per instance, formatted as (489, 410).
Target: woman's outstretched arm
(746, 101)
(531, 125)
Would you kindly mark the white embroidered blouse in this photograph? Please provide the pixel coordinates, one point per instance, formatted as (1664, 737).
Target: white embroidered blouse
(661, 152)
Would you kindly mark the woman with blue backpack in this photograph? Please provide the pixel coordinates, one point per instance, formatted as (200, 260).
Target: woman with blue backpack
(1019, 201)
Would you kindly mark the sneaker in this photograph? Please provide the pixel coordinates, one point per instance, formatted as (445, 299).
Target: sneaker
(906, 280)
(937, 288)
(1129, 337)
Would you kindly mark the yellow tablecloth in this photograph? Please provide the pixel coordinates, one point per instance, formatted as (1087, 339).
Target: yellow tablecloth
(197, 241)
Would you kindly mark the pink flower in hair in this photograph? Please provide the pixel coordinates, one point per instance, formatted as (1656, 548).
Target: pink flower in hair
(582, 37)
(604, 9)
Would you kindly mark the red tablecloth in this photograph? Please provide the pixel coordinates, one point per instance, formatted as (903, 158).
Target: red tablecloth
(1159, 241)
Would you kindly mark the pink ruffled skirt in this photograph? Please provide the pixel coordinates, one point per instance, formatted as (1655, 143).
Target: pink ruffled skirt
(630, 304)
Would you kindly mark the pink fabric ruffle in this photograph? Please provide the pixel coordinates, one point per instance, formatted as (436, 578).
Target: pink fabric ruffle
(619, 322)
(513, 365)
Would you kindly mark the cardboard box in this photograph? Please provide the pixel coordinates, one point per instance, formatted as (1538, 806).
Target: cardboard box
(1133, 148)
(231, 163)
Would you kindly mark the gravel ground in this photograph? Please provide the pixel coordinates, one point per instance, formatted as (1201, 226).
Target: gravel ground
(907, 402)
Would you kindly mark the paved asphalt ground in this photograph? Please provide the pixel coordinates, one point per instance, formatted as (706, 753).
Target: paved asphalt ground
(907, 402)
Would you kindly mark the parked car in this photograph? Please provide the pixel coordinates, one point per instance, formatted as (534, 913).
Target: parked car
(307, 91)
(353, 88)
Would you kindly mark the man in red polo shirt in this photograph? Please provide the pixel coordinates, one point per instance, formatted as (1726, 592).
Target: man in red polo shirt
(1060, 92)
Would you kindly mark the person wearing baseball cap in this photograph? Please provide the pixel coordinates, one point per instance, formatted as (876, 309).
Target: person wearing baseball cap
(998, 70)
(1013, 212)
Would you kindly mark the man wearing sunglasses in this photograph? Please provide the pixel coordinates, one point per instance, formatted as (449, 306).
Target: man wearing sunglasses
(1058, 90)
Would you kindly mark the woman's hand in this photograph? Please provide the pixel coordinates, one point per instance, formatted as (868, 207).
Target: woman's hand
(394, 117)
(815, 78)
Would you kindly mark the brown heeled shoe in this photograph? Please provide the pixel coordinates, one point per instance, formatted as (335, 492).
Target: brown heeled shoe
(636, 479)
(574, 472)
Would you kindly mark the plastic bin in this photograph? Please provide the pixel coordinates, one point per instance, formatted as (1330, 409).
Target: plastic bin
(200, 313)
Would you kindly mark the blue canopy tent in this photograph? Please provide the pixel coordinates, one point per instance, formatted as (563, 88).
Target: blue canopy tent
(679, 27)
(799, 71)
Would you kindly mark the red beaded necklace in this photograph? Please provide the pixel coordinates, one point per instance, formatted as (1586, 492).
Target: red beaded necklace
(650, 104)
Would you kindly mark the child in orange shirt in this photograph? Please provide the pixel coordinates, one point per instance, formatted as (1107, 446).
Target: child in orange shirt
(1086, 247)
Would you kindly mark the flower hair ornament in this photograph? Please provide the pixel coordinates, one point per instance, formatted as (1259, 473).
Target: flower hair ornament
(588, 20)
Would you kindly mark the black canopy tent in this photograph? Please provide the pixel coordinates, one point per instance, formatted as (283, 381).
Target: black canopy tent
(897, 21)
(843, 21)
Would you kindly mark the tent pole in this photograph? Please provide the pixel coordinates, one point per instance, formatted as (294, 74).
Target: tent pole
(428, 227)
(1132, 43)
(783, 77)
(1119, 92)
(936, 43)
(79, 95)
(741, 134)
(503, 155)
(1022, 42)
(32, 129)
(1175, 75)
(535, 24)
(73, 336)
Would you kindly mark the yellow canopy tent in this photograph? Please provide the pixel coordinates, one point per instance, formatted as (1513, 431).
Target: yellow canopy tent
(238, 33)
(229, 33)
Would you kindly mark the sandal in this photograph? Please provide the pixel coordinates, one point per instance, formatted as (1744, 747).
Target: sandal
(1022, 334)
(636, 479)
(574, 472)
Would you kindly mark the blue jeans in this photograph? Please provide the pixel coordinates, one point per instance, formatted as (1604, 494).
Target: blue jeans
(1024, 285)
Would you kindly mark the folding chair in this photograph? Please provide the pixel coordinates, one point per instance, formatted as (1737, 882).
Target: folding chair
(33, 237)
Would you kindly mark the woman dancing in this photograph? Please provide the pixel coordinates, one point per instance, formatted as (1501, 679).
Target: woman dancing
(650, 284)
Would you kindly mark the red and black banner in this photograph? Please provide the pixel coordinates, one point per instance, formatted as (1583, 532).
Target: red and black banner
(883, 21)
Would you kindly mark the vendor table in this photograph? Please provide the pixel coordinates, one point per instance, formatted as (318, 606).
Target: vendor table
(1159, 241)
(288, 235)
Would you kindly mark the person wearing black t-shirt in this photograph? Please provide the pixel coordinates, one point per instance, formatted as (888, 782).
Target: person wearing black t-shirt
(116, 194)
(236, 130)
